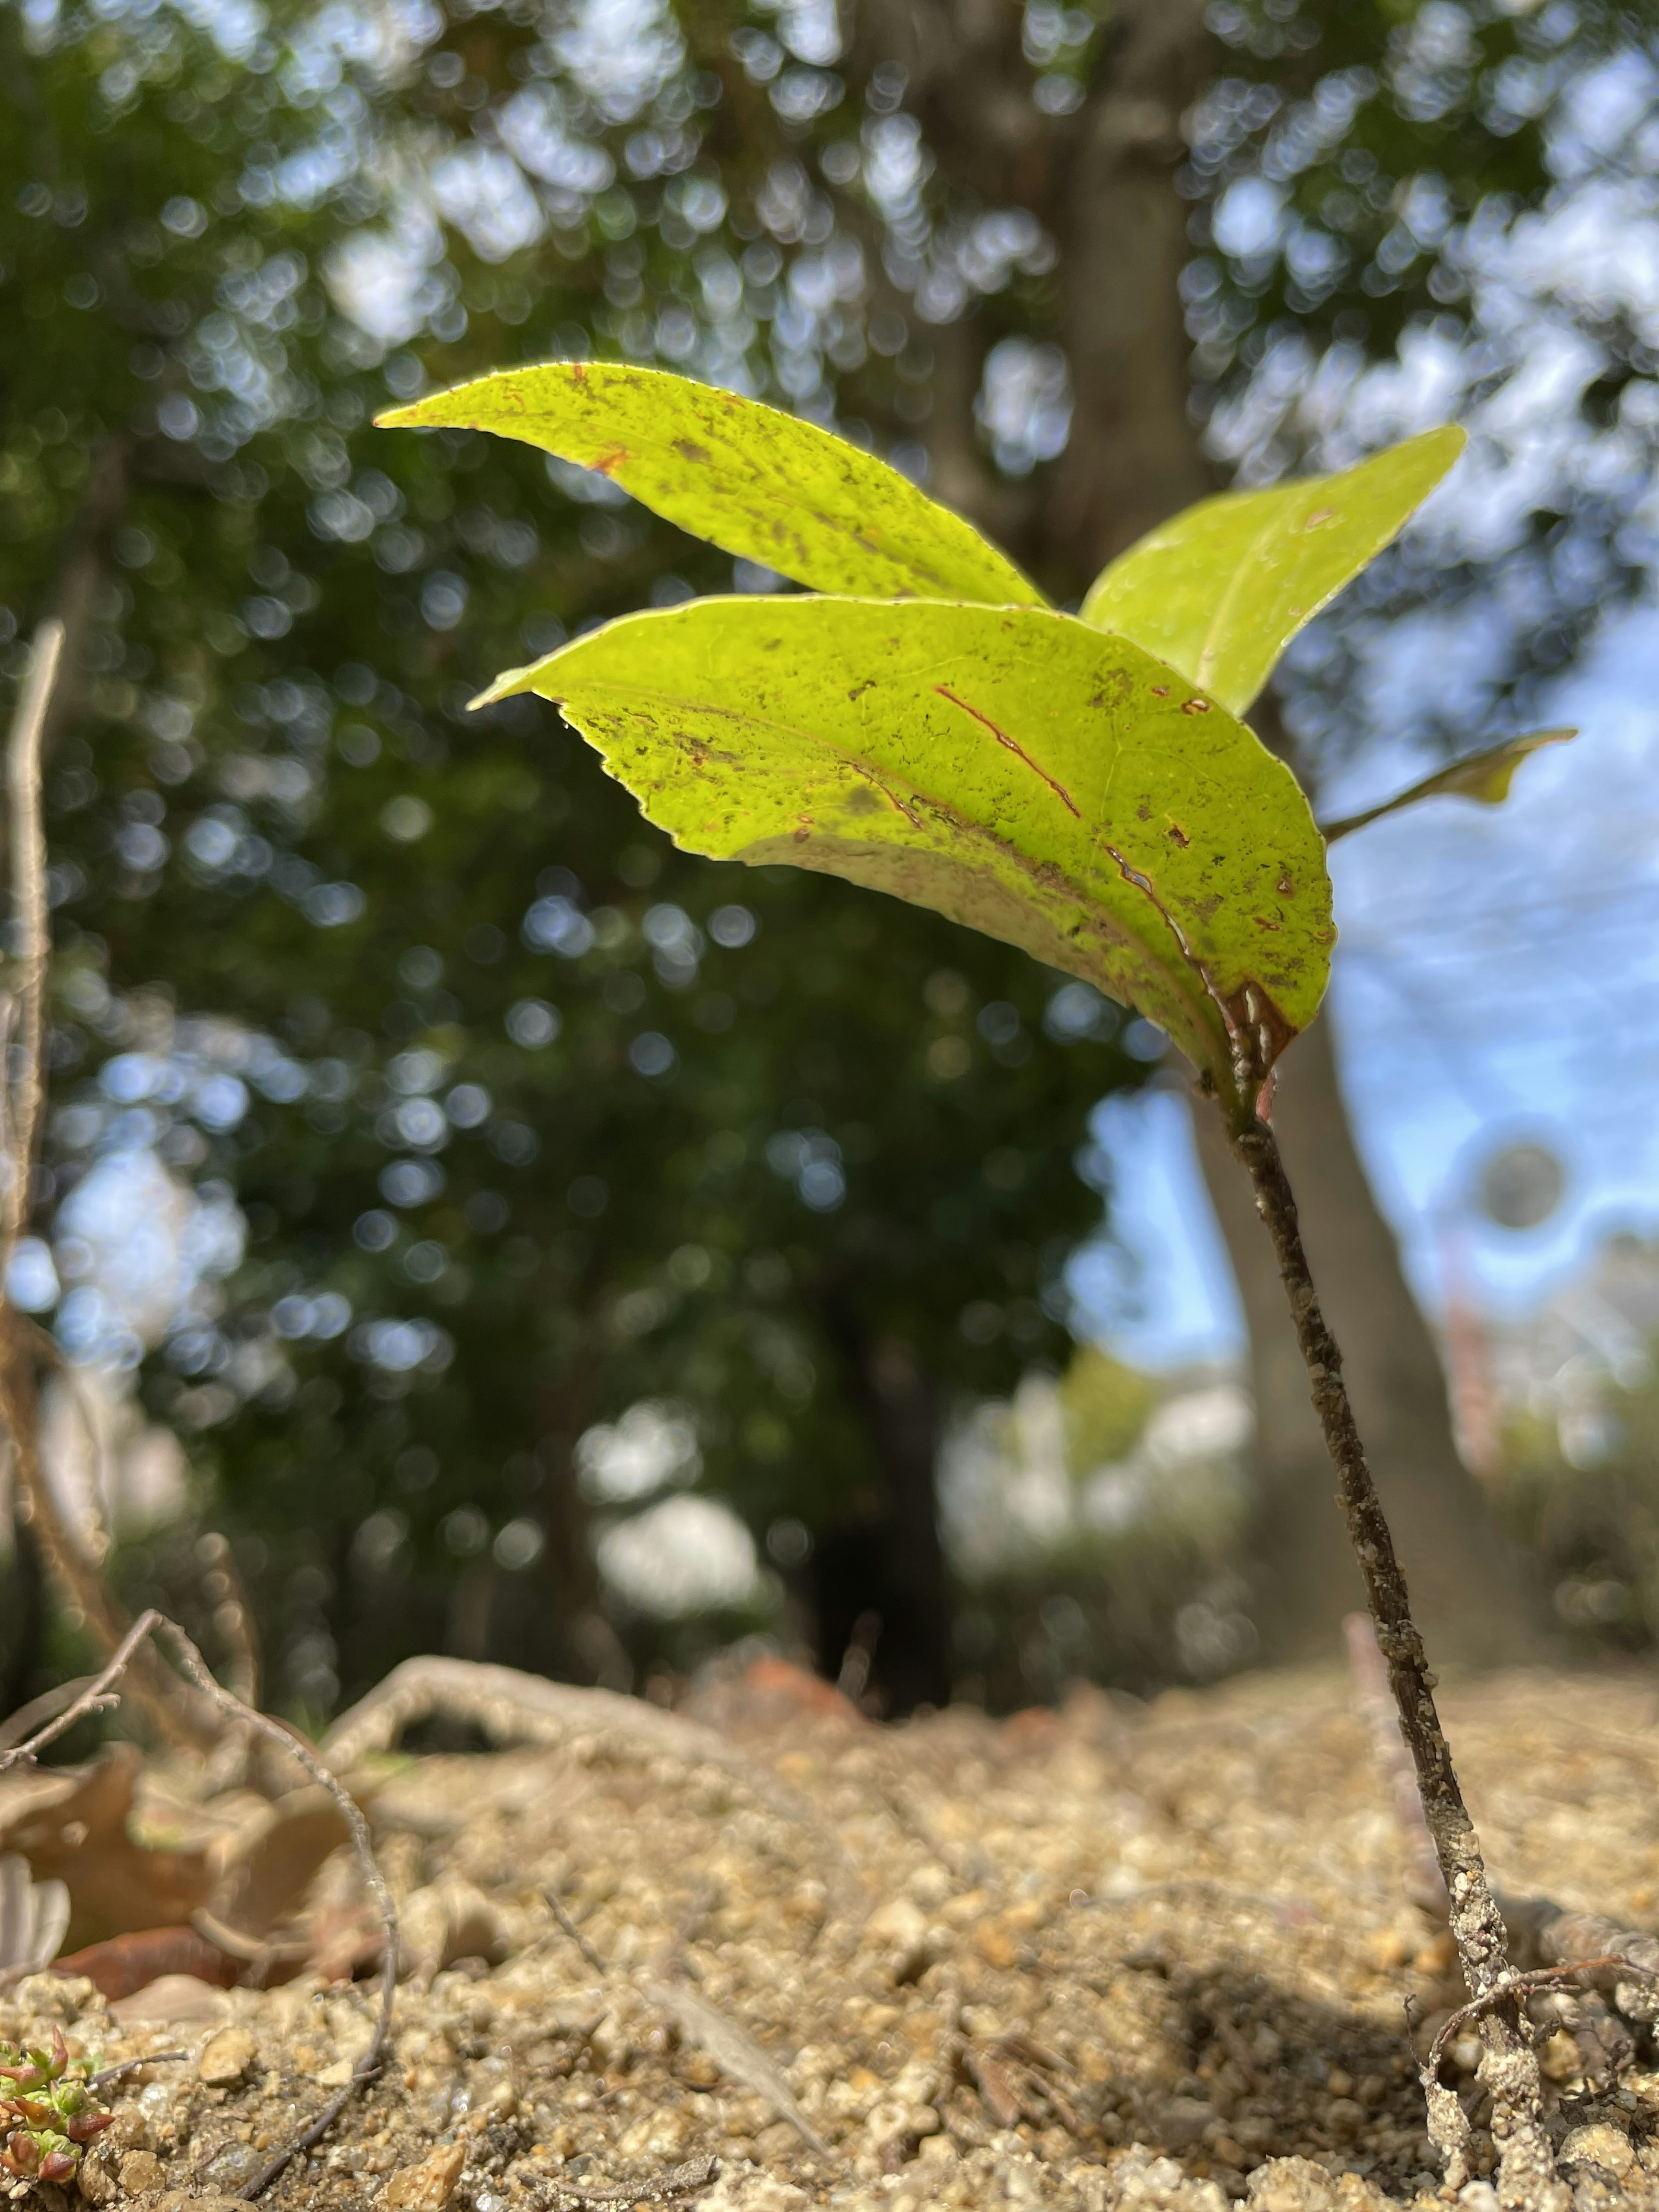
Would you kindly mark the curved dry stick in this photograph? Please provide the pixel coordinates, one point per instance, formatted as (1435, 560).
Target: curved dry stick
(502, 1701)
(96, 1694)
(677, 2181)
(100, 1693)
(1540, 1977)
(131, 2066)
(195, 1667)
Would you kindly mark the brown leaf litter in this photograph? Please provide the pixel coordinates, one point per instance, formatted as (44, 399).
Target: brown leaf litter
(1116, 1956)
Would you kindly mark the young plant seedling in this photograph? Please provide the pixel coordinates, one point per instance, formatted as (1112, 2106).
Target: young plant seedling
(920, 721)
(49, 2111)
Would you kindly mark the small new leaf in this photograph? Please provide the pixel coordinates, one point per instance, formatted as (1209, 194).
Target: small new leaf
(1484, 777)
(1008, 767)
(1220, 590)
(758, 482)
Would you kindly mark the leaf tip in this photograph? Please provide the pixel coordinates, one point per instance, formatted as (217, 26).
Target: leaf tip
(507, 685)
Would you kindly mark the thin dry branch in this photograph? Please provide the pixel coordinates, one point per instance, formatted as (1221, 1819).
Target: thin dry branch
(28, 849)
(676, 2181)
(555, 1906)
(45, 1707)
(736, 2052)
(125, 2066)
(1540, 1978)
(97, 1694)
(22, 1088)
(100, 1693)
(509, 1705)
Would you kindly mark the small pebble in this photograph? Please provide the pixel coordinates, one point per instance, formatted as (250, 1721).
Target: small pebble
(142, 2173)
(429, 2186)
(225, 2058)
(1600, 2144)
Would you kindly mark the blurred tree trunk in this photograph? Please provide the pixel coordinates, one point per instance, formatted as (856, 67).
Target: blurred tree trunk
(1104, 180)
(23, 1606)
(881, 1584)
(1469, 1584)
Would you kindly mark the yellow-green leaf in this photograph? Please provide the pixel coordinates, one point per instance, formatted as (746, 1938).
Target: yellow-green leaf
(1219, 591)
(1009, 767)
(1484, 777)
(757, 482)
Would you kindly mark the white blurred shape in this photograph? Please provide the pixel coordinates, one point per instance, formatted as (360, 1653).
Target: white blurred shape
(687, 1555)
(652, 1444)
(621, 52)
(1024, 404)
(483, 192)
(111, 1471)
(1199, 1424)
(1249, 217)
(31, 1278)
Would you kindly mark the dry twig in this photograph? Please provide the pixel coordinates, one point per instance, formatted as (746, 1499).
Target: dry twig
(96, 1694)
(45, 1707)
(736, 2052)
(556, 1908)
(118, 2073)
(508, 1704)
(675, 2181)
(22, 1086)
(1540, 1978)
(100, 1693)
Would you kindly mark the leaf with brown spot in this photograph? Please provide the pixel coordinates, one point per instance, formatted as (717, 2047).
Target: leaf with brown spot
(753, 480)
(1028, 768)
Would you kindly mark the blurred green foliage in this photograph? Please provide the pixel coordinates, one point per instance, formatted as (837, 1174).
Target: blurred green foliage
(529, 1115)
(1105, 1405)
(528, 1121)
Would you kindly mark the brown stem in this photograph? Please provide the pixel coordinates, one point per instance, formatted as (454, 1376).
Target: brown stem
(1510, 2066)
(22, 1089)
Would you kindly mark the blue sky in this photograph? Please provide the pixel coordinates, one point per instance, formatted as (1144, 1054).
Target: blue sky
(1498, 977)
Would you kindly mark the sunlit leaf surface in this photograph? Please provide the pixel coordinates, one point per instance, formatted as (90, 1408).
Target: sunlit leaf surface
(1221, 589)
(1010, 768)
(757, 482)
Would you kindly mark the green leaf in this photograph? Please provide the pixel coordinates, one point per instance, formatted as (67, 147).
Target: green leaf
(760, 483)
(1484, 776)
(1219, 591)
(1010, 768)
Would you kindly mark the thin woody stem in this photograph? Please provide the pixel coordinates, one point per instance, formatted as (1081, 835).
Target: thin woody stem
(29, 949)
(1510, 2067)
(22, 1086)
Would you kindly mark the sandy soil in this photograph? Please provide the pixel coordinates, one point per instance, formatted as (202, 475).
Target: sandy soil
(1121, 1955)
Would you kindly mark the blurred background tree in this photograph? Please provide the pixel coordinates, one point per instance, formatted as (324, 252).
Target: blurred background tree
(515, 1187)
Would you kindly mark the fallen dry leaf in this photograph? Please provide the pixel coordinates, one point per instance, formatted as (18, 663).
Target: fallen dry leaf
(131, 1962)
(72, 1826)
(33, 1915)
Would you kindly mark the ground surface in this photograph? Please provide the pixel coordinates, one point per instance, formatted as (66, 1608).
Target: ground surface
(1121, 1955)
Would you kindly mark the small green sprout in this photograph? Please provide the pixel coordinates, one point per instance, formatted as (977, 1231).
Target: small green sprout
(50, 2113)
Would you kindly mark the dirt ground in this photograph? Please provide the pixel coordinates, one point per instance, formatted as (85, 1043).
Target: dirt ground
(1118, 1956)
